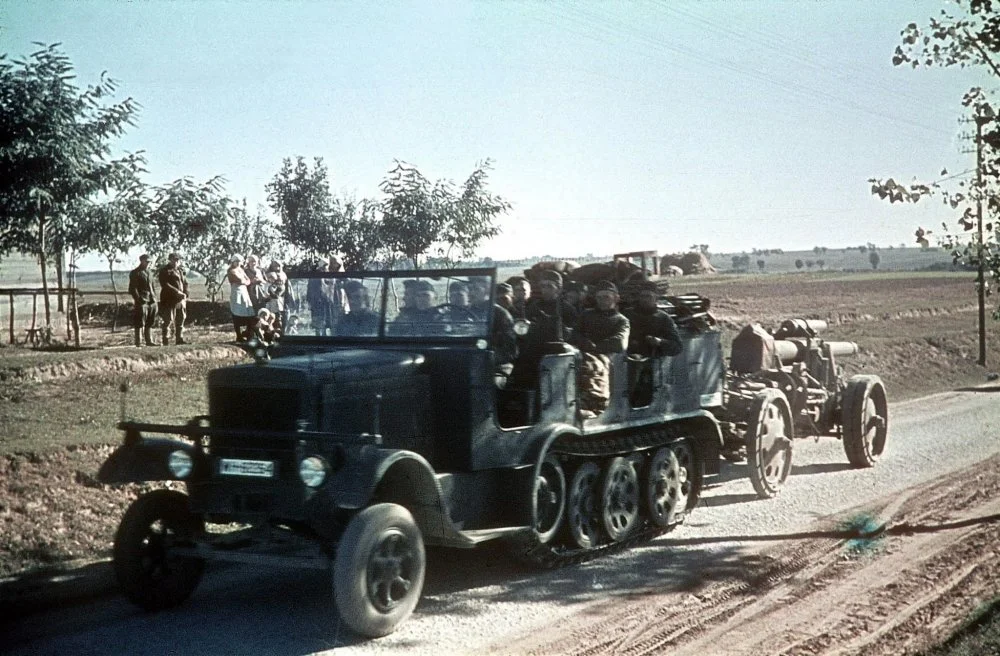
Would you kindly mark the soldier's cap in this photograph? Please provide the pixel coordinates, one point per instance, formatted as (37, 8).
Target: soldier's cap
(420, 286)
(458, 286)
(173, 257)
(504, 288)
(644, 286)
(605, 286)
(352, 286)
(514, 280)
(553, 277)
(479, 280)
(144, 257)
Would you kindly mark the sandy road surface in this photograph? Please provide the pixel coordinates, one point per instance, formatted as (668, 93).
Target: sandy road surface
(689, 592)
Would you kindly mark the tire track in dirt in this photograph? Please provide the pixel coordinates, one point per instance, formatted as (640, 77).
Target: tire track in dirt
(899, 593)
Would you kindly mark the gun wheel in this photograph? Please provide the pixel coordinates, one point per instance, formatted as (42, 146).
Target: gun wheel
(769, 442)
(865, 420)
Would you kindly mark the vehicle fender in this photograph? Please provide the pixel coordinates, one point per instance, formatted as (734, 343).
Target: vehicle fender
(544, 439)
(144, 459)
(376, 475)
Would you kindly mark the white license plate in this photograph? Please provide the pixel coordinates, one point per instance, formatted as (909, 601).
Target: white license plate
(259, 468)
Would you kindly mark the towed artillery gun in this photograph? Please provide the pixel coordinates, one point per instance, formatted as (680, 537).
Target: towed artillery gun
(789, 385)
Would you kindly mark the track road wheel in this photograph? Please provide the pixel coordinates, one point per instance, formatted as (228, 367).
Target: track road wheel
(665, 497)
(548, 499)
(150, 575)
(769, 442)
(620, 499)
(865, 420)
(582, 506)
(378, 571)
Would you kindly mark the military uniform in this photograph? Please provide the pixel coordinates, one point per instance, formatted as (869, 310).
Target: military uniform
(173, 300)
(360, 322)
(607, 330)
(653, 323)
(140, 288)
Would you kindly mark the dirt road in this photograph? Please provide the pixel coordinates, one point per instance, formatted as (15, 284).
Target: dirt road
(731, 581)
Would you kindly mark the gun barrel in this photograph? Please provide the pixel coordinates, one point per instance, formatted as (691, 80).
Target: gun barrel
(790, 351)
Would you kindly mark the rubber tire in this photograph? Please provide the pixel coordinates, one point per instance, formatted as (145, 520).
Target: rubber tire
(367, 531)
(620, 499)
(148, 589)
(864, 395)
(768, 407)
(548, 469)
(583, 524)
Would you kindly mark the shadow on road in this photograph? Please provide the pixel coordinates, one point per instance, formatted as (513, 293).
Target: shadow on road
(821, 468)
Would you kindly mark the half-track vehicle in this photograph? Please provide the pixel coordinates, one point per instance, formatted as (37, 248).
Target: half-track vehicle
(384, 421)
(788, 384)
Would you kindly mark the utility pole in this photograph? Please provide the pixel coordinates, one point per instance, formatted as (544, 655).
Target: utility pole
(981, 252)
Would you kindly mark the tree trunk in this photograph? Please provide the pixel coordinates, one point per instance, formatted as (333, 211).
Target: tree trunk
(114, 294)
(59, 278)
(44, 263)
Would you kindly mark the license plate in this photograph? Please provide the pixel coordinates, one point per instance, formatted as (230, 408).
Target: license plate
(259, 468)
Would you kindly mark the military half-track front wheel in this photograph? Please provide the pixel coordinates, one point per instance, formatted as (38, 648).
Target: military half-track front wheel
(620, 499)
(865, 420)
(769, 442)
(150, 574)
(378, 571)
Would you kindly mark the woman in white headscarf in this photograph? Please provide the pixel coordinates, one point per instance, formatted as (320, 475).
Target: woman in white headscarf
(239, 297)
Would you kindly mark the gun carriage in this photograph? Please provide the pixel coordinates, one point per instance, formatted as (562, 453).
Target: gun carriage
(789, 385)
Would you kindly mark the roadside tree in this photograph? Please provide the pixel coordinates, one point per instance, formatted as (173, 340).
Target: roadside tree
(56, 151)
(967, 36)
(418, 215)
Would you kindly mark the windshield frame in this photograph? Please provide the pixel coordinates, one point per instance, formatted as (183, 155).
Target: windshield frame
(390, 279)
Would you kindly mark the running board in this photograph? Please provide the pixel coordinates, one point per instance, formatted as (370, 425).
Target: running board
(477, 536)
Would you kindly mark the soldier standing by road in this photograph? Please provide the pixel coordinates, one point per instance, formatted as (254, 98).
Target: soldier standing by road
(140, 288)
(173, 299)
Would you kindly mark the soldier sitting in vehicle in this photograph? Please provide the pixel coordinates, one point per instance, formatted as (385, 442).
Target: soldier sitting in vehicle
(653, 334)
(361, 320)
(416, 319)
(602, 331)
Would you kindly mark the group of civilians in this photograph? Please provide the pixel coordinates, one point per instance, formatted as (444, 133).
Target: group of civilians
(259, 298)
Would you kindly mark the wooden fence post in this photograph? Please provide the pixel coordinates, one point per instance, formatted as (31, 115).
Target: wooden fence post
(12, 341)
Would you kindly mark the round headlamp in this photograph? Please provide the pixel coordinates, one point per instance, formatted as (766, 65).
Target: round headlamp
(180, 463)
(312, 471)
(521, 327)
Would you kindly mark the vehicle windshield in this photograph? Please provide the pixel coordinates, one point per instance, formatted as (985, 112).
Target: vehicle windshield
(368, 305)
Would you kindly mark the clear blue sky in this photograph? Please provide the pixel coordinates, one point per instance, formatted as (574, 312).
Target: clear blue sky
(613, 126)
